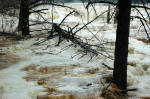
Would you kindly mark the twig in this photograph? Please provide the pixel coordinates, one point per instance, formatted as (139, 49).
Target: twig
(107, 66)
(66, 17)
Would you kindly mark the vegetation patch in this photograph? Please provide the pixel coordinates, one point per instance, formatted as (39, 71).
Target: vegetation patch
(49, 78)
(29, 68)
(7, 59)
(111, 43)
(144, 40)
(6, 43)
(56, 96)
(36, 73)
(132, 64)
(131, 51)
(145, 67)
(92, 70)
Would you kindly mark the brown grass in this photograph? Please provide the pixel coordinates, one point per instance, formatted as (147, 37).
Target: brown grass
(113, 93)
(144, 97)
(145, 67)
(51, 81)
(133, 27)
(33, 73)
(29, 68)
(144, 40)
(4, 43)
(131, 50)
(132, 64)
(56, 97)
(47, 70)
(66, 96)
(7, 59)
(92, 70)
(111, 43)
(31, 78)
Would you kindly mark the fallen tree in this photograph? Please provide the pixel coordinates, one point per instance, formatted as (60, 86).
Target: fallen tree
(69, 35)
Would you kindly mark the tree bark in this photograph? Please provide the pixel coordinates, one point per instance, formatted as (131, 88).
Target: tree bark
(108, 14)
(116, 15)
(24, 18)
(121, 45)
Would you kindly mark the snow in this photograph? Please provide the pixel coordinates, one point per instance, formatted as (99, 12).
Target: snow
(77, 81)
(78, 85)
(14, 86)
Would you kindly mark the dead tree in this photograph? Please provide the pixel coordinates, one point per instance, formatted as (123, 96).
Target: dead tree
(69, 34)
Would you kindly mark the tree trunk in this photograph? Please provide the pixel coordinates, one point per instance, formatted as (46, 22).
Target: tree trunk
(116, 15)
(24, 18)
(108, 14)
(121, 49)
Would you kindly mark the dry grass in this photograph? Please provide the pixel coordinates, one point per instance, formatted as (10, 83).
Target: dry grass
(31, 78)
(56, 72)
(56, 97)
(144, 97)
(92, 70)
(145, 67)
(29, 68)
(111, 43)
(131, 50)
(51, 81)
(113, 92)
(132, 64)
(64, 96)
(144, 40)
(7, 59)
(104, 28)
(47, 70)
(133, 27)
(3, 43)
(7, 42)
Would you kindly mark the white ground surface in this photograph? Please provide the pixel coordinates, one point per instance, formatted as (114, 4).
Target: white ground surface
(13, 86)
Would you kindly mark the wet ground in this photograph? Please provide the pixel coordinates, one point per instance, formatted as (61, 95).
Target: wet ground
(6, 58)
